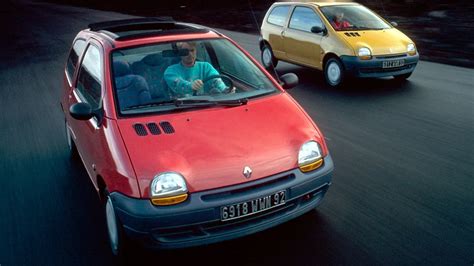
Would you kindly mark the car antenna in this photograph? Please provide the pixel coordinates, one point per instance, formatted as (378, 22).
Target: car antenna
(260, 33)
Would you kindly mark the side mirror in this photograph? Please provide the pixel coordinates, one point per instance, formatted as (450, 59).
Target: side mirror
(81, 111)
(317, 29)
(395, 24)
(289, 80)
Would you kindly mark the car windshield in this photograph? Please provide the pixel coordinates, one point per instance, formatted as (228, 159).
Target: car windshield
(188, 74)
(353, 17)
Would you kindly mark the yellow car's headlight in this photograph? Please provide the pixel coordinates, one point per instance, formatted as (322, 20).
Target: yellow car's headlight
(411, 49)
(168, 188)
(310, 156)
(364, 53)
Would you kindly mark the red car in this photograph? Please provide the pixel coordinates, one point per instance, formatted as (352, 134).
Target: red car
(186, 138)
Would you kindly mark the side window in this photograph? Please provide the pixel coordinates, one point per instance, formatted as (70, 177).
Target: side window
(278, 15)
(202, 54)
(304, 19)
(236, 66)
(76, 51)
(90, 77)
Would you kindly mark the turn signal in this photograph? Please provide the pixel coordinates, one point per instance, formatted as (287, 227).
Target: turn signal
(311, 166)
(169, 200)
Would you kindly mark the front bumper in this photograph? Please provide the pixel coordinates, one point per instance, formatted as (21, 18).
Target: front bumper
(197, 220)
(372, 68)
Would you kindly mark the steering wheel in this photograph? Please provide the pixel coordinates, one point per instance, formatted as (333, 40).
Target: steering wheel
(215, 90)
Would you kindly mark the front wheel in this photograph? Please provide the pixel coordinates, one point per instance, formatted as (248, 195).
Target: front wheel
(117, 238)
(334, 72)
(403, 77)
(268, 59)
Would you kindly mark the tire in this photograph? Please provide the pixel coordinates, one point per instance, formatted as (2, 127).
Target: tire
(334, 72)
(268, 59)
(403, 77)
(73, 153)
(118, 241)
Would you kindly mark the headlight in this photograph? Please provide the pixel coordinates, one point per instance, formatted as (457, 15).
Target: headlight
(411, 49)
(310, 156)
(168, 188)
(364, 53)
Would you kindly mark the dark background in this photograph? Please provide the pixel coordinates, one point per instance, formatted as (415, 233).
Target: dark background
(443, 30)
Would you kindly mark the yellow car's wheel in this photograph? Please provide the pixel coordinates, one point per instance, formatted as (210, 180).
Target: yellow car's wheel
(334, 72)
(268, 59)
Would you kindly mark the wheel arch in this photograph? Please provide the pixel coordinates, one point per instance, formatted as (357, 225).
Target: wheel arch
(262, 43)
(329, 56)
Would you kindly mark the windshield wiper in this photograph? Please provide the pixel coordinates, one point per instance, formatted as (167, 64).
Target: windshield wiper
(146, 105)
(190, 102)
(198, 102)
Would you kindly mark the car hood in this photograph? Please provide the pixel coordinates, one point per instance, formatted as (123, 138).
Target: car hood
(210, 147)
(380, 42)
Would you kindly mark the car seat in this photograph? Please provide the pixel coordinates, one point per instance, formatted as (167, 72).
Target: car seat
(152, 67)
(131, 89)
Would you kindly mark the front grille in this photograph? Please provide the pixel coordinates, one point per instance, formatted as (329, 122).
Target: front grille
(384, 70)
(390, 56)
(247, 189)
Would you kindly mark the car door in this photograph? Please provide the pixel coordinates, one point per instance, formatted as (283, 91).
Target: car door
(301, 45)
(89, 84)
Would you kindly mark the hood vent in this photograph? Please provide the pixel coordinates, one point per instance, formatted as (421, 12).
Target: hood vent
(153, 128)
(351, 34)
(140, 129)
(167, 127)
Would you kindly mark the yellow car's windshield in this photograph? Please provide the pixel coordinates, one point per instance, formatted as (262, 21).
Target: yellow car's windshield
(353, 17)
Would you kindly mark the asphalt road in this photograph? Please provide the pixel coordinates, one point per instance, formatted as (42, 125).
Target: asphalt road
(403, 186)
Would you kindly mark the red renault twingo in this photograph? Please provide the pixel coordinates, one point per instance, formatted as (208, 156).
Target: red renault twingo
(187, 139)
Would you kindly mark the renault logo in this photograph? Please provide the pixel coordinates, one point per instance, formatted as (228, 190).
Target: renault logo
(247, 172)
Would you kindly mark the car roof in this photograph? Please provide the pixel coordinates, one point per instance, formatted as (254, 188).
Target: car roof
(139, 29)
(321, 4)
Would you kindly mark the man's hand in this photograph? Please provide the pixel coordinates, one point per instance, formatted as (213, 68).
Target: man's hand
(197, 84)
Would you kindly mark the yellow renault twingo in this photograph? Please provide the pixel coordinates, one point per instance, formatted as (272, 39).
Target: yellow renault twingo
(342, 39)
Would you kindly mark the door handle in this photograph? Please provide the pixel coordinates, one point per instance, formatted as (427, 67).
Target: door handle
(282, 33)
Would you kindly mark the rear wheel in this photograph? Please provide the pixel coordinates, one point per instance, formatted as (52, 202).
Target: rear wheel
(268, 59)
(334, 72)
(403, 77)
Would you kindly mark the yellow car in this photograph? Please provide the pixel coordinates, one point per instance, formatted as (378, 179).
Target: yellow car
(341, 39)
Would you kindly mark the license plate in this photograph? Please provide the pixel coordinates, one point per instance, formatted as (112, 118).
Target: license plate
(394, 63)
(235, 211)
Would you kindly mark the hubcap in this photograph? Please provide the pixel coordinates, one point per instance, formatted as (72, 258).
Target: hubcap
(112, 225)
(333, 73)
(267, 57)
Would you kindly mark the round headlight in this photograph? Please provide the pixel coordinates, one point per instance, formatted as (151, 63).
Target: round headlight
(411, 49)
(310, 156)
(168, 184)
(364, 53)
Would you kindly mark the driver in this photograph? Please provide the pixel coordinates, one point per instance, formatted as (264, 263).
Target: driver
(186, 77)
(339, 23)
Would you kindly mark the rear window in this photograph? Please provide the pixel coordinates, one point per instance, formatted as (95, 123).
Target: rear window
(278, 15)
